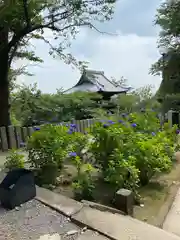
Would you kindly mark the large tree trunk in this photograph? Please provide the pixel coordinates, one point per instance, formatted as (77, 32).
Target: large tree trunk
(4, 83)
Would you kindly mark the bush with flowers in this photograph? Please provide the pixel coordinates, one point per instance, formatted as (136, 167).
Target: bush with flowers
(128, 150)
(48, 147)
(132, 149)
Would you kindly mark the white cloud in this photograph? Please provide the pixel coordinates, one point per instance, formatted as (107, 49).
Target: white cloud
(124, 55)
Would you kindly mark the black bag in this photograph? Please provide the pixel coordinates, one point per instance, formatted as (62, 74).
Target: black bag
(17, 188)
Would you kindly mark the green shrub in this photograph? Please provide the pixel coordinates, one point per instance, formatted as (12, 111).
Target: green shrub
(14, 160)
(130, 151)
(49, 147)
(83, 183)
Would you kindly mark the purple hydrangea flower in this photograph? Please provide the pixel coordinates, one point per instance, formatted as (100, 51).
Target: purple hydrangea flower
(72, 154)
(134, 125)
(178, 131)
(36, 128)
(72, 125)
(105, 125)
(153, 134)
(70, 131)
(110, 121)
(120, 121)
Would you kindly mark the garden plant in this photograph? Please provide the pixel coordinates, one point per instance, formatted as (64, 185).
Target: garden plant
(128, 151)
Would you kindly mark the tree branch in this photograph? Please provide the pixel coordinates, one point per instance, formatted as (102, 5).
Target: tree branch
(26, 14)
(11, 54)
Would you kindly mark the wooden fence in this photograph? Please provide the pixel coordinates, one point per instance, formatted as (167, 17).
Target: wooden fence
(13, 136)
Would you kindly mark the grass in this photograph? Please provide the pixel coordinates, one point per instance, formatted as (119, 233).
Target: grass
(157, 196)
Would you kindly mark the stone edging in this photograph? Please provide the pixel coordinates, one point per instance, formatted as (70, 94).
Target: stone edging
(113, 226)
(67, 206)
(166, 207)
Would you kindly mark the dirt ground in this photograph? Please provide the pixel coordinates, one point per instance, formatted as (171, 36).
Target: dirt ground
(158, 197)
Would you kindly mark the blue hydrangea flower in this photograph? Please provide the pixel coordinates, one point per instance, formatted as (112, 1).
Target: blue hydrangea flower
(120, 121)
(72, 154)
(134, 125)
(105, 125)
(69, 131)
(153, 134)
(36, 128)
(72, 125)
(110, 121)
(67, 125)
(177, 131)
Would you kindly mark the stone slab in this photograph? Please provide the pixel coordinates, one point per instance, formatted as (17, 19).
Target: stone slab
(63, 204)
(171, 223)
(35, 221)
(116, 226)
(102, 207)
(90, 235)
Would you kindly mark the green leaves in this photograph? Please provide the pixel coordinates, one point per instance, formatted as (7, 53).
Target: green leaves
(130, 154)
(168, 19)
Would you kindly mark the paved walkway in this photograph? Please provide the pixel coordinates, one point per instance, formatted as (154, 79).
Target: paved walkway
(34, 220)
(172, 221)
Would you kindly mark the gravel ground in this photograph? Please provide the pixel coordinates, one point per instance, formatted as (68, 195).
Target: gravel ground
(33, 220)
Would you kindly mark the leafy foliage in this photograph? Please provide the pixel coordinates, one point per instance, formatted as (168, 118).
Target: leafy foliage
(169, 21)
(83, 183)
(126, 150)
(30, 106)
(14, 160)
(130, 151)
(28, 19)
(22, 21)
(49, 146)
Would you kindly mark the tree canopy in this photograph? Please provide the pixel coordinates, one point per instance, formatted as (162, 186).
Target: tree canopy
(168, 18)
(29, 19)
(22, 20)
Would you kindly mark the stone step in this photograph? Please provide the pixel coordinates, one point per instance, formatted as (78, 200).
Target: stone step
(90, 235)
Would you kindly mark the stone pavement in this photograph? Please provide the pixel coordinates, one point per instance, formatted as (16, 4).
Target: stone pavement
(113, 226)
(34, 220)
(37, 221)
(172, 221)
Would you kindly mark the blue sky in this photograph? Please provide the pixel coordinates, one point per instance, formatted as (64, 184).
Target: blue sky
(130, 53)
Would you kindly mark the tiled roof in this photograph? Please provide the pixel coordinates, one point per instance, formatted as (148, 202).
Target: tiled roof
(95, 81)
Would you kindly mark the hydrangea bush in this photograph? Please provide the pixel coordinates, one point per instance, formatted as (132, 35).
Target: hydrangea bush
(132, 149)
(49, 147)
(128, 150)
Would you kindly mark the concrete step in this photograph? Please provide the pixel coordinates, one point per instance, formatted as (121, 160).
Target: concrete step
(119, 227)
(172, 221)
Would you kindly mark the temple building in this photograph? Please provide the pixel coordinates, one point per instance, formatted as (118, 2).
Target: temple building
(96, 81)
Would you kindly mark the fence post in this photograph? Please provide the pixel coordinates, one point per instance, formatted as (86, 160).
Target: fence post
(18, 136)
(169, 116)
(77, 125)
(30, 131)
(3, 139)
(24, 133)
(12, 137)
